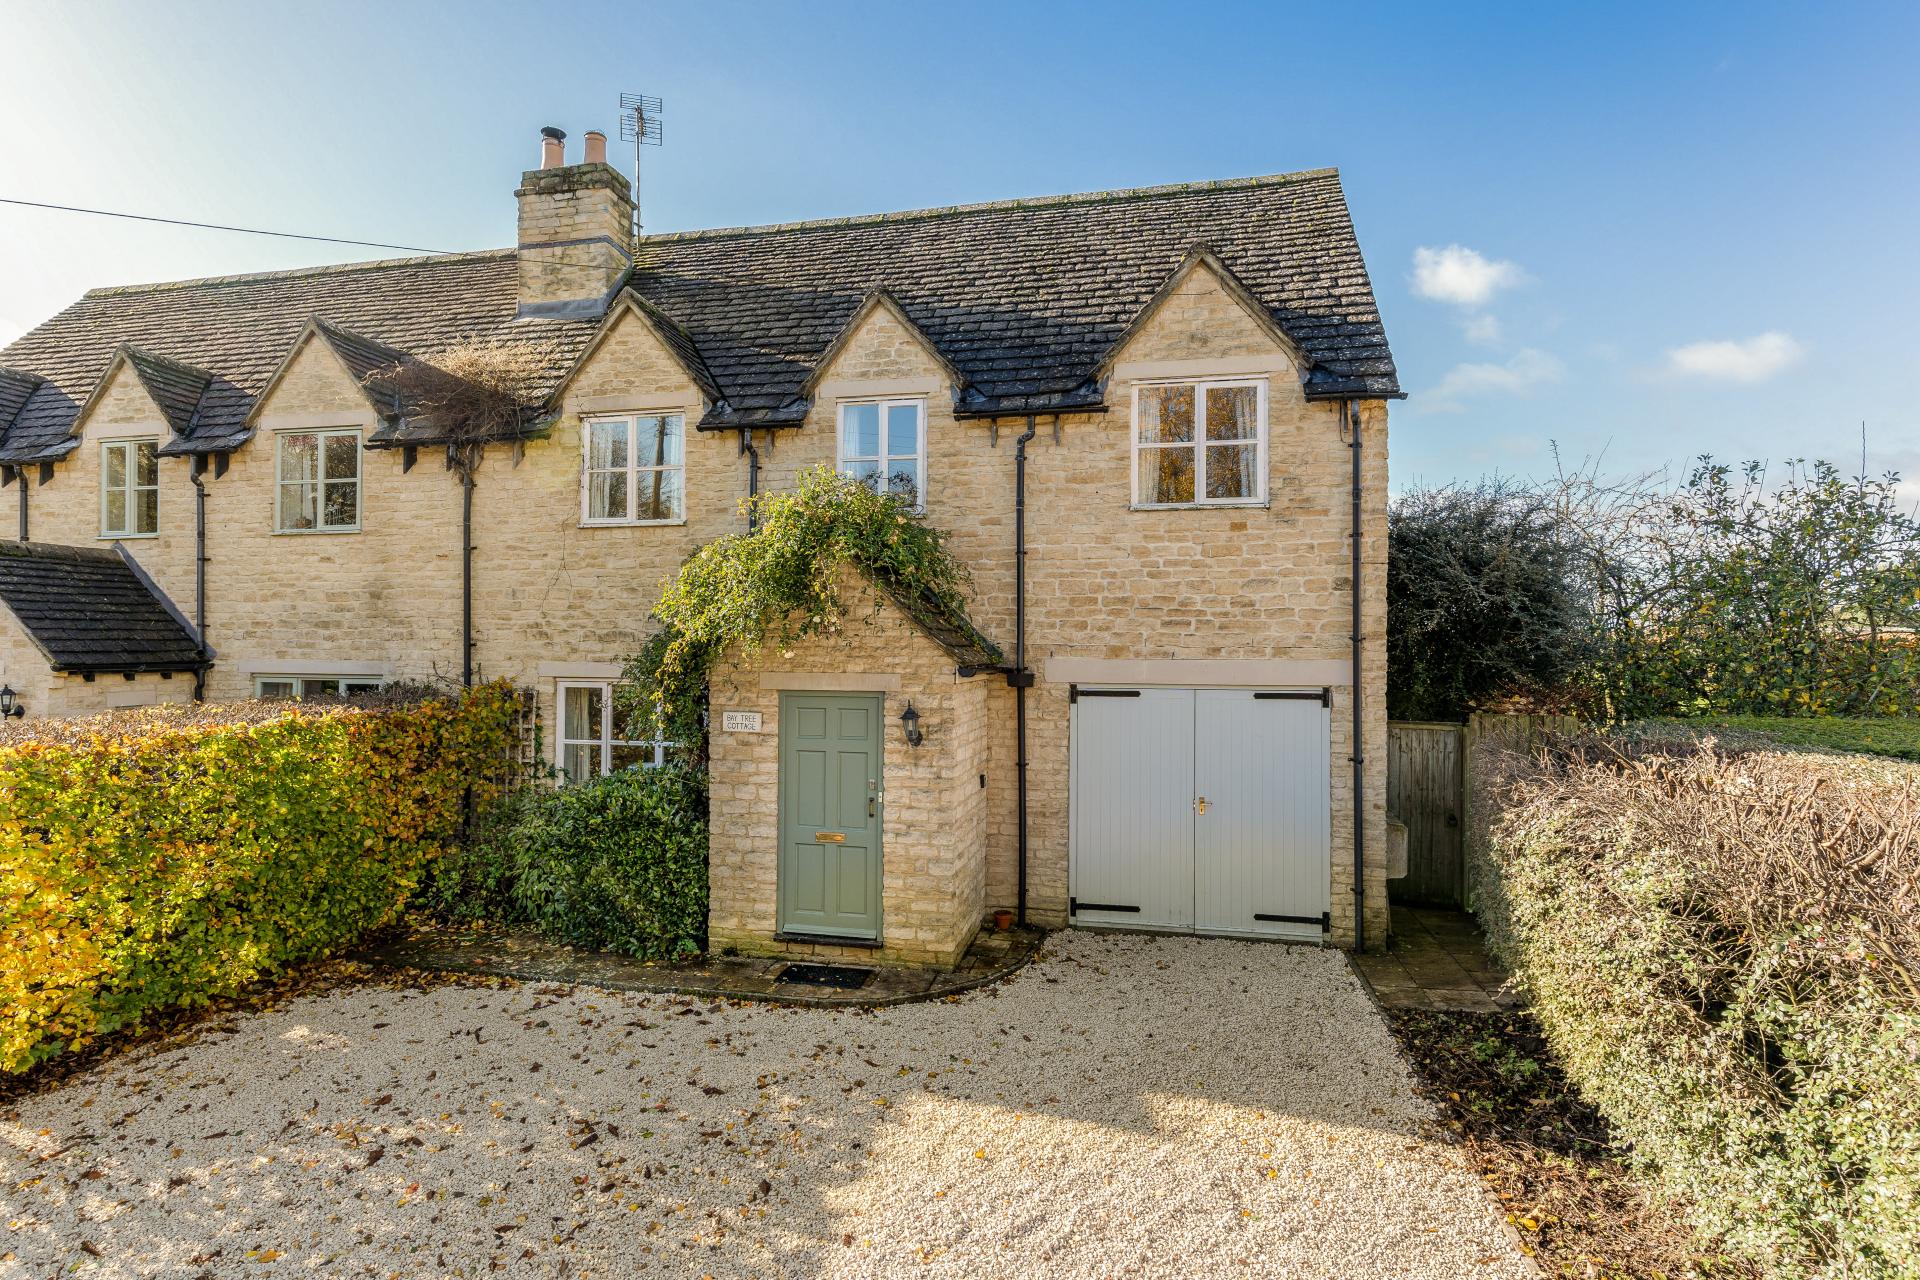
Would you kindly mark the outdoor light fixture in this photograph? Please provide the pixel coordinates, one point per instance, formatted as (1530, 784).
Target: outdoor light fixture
(9, 707)
(910, 721)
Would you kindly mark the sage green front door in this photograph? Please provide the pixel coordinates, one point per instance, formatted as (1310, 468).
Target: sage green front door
(830, 801)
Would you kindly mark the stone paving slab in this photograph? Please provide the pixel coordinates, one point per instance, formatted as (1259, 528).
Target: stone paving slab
(1438, 960)
(515, 953)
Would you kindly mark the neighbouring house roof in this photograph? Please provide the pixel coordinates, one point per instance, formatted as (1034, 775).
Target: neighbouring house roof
(1024, 299)
(90, 609)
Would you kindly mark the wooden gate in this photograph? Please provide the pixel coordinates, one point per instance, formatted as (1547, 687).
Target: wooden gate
(1425, 791)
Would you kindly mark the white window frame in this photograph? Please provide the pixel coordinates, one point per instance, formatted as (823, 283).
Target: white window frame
(323, 434)
(131, 488)
(633, 469)
(1198, 444)
(841, 457)
(360, 684)
(606, 742)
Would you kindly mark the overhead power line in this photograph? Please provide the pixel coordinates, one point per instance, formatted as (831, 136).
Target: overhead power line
(215, 226)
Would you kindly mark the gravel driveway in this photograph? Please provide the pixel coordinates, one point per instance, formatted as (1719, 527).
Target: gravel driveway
(1125, 1107)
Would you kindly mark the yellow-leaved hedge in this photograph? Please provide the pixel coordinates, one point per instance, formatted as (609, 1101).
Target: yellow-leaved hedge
(164, 867)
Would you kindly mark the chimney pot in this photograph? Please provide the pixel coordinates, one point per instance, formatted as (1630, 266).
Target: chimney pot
(553, 148)
(596, 147)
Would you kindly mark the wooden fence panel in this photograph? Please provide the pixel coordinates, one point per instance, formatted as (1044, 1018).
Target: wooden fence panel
(1424, 781)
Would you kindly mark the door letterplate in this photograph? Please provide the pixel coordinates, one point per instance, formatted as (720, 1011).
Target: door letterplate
(829, 837)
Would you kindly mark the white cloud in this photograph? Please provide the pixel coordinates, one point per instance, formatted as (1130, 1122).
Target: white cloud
(1461, 275)
(1750, 360)
(1525, 371)
(1482, 330)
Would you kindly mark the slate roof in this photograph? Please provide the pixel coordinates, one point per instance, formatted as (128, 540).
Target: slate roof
(88, 610)
(942, 621)
(1024, 298)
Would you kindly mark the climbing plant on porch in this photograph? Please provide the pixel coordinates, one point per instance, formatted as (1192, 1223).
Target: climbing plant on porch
(779, 582)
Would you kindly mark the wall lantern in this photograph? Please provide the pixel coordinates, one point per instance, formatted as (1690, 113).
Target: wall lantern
(910, 721)
(9, 708)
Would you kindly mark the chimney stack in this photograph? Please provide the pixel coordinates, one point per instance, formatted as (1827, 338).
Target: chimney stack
(576, 231)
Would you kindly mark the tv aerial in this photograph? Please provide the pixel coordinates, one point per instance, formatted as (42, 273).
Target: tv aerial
(640, 125)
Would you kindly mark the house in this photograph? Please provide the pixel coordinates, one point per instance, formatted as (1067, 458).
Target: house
(1153, 423)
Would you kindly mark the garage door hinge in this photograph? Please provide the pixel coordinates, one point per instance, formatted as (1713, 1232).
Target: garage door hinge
(1075, 693)
(1075, 907)
(1324, 920)
(1322, 696)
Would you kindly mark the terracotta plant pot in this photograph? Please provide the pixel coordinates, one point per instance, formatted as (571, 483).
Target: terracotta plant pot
(1002, 921)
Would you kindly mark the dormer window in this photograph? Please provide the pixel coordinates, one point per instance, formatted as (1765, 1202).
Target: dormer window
(884, 443)
(319, 481)
(1200, 444)
(129, 488)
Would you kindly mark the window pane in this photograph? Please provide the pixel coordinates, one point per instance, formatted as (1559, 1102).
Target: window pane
(113, 466)
(147, 463)
(607, 495)
(1233, 470)
(606, 445)
(1233, 413)
(658, 442)
(632, 755)
(275, 688)
(657, 495)
(860, 431)
(1166, 475)
(116, 511)
(146, 510)
(343, 504)
(580, 762)
(1166, 414)
(580, 716)
(320, 688)
(868, 470)
(298, 506)
(299, 457)
(358, 686)
(903, 480)
(343, 457)
(903, 429)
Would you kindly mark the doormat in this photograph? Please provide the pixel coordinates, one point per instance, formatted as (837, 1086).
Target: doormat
(839, 976)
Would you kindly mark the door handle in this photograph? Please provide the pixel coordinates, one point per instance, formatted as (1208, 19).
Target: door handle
(873, 806)
(1200, 805)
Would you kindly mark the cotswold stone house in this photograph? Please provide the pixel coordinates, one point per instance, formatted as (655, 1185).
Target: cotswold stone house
(1153, 421)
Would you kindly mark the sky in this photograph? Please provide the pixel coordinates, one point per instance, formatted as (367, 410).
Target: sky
(1623, 234)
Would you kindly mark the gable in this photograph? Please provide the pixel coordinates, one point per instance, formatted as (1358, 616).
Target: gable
(122, 405)
(314, 380)
(1203, 315)
(630, 357)
(881, 344)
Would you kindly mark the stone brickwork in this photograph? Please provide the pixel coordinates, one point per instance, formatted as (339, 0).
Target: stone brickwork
(576, 231)
(933, 841)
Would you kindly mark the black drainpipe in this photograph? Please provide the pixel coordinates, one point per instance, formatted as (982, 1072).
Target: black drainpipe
(1359, 721)
(1020, 677)
(197, 473)
(20, 476)
(752, 451)
(466, 577)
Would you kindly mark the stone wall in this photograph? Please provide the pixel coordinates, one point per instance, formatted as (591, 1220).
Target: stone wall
(933, 855)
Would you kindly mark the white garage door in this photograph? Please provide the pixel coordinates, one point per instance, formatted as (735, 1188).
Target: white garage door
(1200, 809)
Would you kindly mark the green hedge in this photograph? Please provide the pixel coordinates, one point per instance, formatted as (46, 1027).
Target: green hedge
(613, 864)
(1723, 948)
(160, 865)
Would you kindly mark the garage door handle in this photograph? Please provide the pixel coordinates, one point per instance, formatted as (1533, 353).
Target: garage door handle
(1200, 805)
